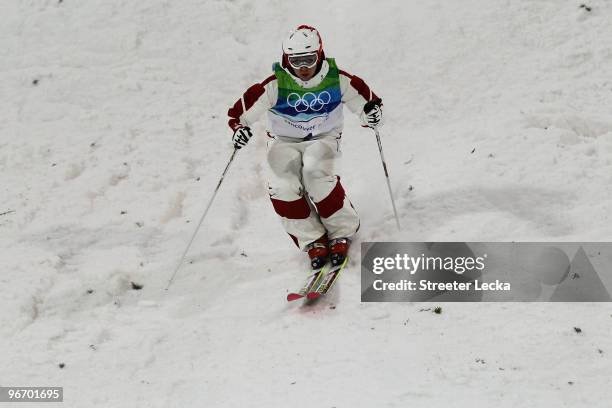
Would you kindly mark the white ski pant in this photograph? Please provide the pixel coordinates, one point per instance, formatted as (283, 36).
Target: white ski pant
(305, 190)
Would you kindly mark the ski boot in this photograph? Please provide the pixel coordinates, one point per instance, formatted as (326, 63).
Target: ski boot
(318, 253)
(339, 250)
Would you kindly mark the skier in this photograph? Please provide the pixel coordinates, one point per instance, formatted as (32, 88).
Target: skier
(303, 99)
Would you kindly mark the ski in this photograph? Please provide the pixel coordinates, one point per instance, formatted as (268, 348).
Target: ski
(311, 282)
(331, 276)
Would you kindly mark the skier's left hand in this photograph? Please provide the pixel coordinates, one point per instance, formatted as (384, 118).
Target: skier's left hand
(373, 113)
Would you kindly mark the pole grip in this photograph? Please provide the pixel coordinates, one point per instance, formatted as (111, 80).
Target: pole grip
(371, 104)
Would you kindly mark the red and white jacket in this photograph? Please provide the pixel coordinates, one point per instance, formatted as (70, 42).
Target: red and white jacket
(261, 97)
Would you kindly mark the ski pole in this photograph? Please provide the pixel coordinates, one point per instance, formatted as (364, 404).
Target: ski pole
(384, 164)
(201, 219)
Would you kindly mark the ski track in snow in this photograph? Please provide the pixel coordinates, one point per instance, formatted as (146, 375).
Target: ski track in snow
(112, 138)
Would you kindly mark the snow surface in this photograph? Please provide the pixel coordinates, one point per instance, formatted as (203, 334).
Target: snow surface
(113, 136)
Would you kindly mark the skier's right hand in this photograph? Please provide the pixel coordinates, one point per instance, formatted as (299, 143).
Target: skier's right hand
(241, 137)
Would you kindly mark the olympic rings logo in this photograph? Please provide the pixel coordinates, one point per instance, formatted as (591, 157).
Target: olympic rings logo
(308, 101)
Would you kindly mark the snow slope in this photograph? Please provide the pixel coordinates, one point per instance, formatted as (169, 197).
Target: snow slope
(113, 135)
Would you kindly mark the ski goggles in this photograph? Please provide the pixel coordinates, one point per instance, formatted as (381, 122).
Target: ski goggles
(303, 60)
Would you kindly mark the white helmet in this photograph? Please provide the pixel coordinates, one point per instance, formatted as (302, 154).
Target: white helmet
(302, 47)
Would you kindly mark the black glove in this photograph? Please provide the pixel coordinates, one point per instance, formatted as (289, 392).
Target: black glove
(373, 112)
(241, 137)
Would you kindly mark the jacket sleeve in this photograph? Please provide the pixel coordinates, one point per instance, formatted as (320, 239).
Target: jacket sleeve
(253, 103)
(355, 93)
